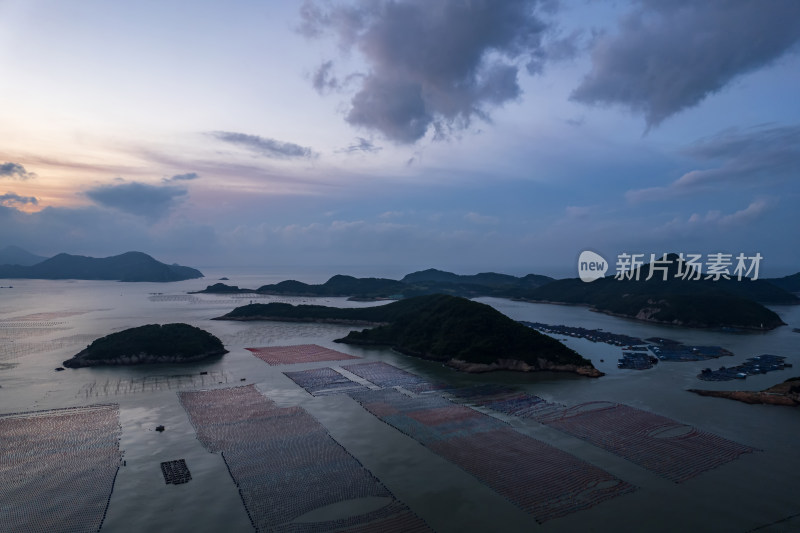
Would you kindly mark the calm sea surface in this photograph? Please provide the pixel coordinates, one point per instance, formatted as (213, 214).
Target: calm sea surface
(42, 323)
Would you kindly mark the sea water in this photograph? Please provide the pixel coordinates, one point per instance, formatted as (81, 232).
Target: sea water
(43, 323)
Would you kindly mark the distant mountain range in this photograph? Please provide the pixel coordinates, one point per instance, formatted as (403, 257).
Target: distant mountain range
(14, 255)
(130, 266)
(700, 303)
(682, 302)
(429, 281)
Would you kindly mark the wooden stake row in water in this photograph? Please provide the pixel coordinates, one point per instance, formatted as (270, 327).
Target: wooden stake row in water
(113, 387)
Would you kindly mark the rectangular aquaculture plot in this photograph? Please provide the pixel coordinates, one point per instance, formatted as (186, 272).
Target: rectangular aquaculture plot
(57, 468)
(301, 353)
(385, 375)
(176, 472)
(323, 381)
(673, 450)
(540, 479)
(285, 463)
(508, 401)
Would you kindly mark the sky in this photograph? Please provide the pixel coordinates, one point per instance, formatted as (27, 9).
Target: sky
(467, 135)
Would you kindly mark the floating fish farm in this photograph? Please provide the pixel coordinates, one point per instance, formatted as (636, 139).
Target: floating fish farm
(636, 361)
(176, 472)
(760, 364)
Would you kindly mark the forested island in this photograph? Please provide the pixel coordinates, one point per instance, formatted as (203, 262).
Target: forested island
(676, 301)
(153, 343)
(702, 303)
(130, 266)
(463, 334)
(429, 281)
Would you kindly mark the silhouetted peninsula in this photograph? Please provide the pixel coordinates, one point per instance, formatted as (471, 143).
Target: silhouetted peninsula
(429, 281)
(681, 302)
(130, 266)
(153, 343)
(467, 335)
(786, 393)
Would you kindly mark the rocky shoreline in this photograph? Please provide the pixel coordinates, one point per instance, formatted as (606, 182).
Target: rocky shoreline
(516, 365)
(81, 360)
(339, 321)
(786, 393)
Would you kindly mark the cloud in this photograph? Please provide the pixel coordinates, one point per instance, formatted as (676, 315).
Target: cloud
(265, 146)
(361, 145)
(10, 199)
(149, 201)
(576, 211)
(756, 156)
(477, 218)
(432, 64)
(182, 177)
(323, 80)
(669, 56)
(15, 171)
(716, 219)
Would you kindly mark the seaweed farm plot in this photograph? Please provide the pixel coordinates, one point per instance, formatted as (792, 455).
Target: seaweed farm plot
(508, 401)
(664, 446)
(540, 479)
(323, 381)
(58, 468)
(301, 353)
(760, 364)
(656, 443)
(385, 375)
(286, 465)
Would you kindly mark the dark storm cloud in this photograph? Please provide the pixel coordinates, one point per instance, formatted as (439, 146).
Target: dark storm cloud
(136, 198)
(670, 55)
(264, 145)
(9, 199)
(432, 63)
(15, 171)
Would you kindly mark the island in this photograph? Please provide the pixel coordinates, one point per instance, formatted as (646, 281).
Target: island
(723, 304)
(462, 334)
(786, 393)
(153, 343)
(130, 266)
(420, 283)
